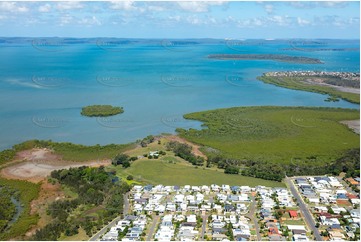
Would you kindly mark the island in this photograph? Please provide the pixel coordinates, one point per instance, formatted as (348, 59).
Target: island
(344, 85)
(274, 57)
(101, 110)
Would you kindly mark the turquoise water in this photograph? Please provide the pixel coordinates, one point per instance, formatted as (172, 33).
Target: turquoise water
(44, 85)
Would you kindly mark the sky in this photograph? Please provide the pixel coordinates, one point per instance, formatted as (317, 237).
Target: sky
(185, 19)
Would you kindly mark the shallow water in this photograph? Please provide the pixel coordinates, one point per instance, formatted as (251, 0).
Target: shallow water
(42, 88)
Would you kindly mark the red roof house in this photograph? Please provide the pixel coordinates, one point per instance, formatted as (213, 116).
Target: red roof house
(293, 213)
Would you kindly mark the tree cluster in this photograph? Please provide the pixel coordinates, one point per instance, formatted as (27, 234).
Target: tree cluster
(96, 191)
(184, 151)
(147, 140)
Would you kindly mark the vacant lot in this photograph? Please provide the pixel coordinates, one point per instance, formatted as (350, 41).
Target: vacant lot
(170, 170)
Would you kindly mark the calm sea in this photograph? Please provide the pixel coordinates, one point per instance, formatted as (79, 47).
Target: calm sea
(45, 82)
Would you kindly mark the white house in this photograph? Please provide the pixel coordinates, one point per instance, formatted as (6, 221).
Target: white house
(192, 218)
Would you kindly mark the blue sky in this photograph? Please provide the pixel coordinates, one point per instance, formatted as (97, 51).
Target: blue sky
(135, 19)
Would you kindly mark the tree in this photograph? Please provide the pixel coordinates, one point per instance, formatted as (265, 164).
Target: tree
(126, 164)
(129, 177)
(120, 159)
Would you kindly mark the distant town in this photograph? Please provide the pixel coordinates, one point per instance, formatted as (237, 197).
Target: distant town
(310, 208)
(343, 75)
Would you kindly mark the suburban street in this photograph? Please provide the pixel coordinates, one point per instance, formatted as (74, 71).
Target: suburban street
(99, 234)
(104, 230)
(204, 225)
(251, 215)
(304, 210)
(152, 228)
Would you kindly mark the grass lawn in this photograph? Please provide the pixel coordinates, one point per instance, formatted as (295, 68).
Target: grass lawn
(293, 222)
(81, 236)
(160, 171)
(276, 134)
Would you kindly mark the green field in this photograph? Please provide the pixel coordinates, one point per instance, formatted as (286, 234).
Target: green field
(298, 84)
(276, 134)
(169, 170)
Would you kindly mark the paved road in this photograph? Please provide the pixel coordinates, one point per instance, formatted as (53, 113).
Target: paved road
(104, 230)
(251, 214)
(204, 226)
(97, 236)
(126, 204)
(304, 210)
(152, 228)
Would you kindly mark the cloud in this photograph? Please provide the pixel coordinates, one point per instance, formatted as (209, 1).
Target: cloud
(197, 7)
(280, 20)
(333, 4)
(44, 8)
(323, 4)
(13, 7)
(302, 22)
(123, 5)
(89, 21)
(71, 5)
(269, 8)
(66, 19)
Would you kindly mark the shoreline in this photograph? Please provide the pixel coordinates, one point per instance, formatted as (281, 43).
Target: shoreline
(273, 57)
(338, 85)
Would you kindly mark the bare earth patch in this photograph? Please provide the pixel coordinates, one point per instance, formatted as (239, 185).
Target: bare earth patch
(353, 124)
(320, 82)
(39, 163)
(48, 194)
(195, 148)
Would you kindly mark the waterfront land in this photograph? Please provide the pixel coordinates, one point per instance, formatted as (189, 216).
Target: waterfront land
(101, 110)
(274, 57)
(274, 140)
(344, 85)
(28, 172)
(263, 142)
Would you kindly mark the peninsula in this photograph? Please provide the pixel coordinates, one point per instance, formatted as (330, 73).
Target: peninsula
(344, 85)
(274, 57)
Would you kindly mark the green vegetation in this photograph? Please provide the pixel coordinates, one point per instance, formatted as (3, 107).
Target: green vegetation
(75, 152)
(298, 83)
(7, 209)
(100, 199)
(25, 192)
(170, 170)
(348, 163)
(184, 151)
(266, 142)
(121, 159)
(101, 110)
(147, 140)
(7, 155)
